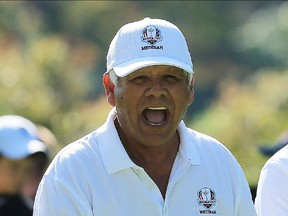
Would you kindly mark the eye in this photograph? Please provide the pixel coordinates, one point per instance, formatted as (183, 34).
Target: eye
(139, 79)
(171, 78)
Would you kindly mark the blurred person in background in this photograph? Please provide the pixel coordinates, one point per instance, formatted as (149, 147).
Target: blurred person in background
(269, 151)
(20, 145)
(40, 162)
(272, 190)
(144, 160)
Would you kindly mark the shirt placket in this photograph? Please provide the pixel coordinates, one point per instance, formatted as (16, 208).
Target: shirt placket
(151, 186)
(180, 167)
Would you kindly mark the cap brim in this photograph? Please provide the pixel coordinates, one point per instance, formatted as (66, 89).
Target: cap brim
(24, 148)
(19, 138)
(128, 67)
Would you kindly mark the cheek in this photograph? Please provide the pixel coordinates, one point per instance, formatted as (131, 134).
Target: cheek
(127, 105)
(125, 97)
(183, 96)
(182, 101)
(120, 99)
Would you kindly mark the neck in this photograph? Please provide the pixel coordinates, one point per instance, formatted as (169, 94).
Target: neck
(142, 154)
(156, 160)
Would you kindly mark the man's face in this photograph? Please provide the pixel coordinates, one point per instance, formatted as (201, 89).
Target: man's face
(150, 103)
(13, 174)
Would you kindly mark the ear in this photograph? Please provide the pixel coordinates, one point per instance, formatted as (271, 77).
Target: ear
(109, 89)
(191, 97)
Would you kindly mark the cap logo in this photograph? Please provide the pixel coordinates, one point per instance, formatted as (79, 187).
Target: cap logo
(151, 35)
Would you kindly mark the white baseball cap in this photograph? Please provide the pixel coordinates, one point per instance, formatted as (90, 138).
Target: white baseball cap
(145, 43)
(19, 138)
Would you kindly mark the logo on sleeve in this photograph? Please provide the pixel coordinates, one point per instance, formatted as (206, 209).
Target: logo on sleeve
(207, 199)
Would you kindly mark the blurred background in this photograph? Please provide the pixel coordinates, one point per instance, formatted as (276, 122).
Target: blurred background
(53, 55)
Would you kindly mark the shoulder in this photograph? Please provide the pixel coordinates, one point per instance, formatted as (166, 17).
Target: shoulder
(77, 156)
(207, 143)
(207, 148)
(278, 162)
(79, 148)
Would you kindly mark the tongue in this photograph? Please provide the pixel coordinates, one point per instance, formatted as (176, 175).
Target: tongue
(154, 117)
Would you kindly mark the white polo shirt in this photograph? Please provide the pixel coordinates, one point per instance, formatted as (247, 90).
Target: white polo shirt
(94, 176)
(272, 190)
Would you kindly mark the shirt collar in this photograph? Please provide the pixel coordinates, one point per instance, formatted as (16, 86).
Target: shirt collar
(115, 157)
(188, 141)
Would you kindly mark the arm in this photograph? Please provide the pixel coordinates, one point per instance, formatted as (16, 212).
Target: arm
(272, 191)
(243, 200)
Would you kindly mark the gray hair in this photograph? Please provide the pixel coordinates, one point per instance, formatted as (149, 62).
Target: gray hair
(113, 76)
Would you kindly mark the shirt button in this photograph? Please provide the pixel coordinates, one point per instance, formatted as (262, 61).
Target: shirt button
(138, 170)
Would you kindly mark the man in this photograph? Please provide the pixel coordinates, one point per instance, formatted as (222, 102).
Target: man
(40, 162)
(19, 145)
(144, 160)
(272, 190)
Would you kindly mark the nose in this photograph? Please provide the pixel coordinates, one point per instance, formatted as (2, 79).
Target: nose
(156, 89)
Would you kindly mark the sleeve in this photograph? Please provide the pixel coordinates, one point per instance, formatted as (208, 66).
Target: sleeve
(244, 205)
(54, 198)
(272, 191)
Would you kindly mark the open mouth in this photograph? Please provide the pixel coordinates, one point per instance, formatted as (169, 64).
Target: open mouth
(155, 116)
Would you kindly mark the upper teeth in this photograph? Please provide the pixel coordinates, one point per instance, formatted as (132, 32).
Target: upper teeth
(157, 108)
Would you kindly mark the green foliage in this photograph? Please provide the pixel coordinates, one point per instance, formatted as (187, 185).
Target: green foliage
(265, 32)
(247, 115)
